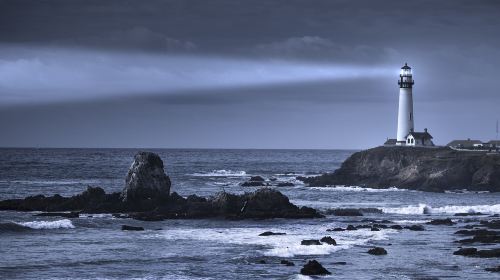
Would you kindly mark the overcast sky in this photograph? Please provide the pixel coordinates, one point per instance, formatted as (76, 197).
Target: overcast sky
(244, 74)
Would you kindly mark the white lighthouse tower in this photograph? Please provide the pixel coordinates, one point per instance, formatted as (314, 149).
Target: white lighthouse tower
(405, 113)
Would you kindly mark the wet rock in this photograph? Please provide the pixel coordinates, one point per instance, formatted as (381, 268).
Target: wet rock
(423, 169)
(261, 262)
(340, 263)
(477, 232)
(465, 252)
(309, 242)
(272, 179)
(351, 227)
(415, 227)
(468, 214)
(132, 228)
(344, 212)
(328, 240)
(285, 184)
(398, 227)
(335, 229)
(313, 267)
(493, 224)
(253, 184)
(375, 229)
(377, 251)
(257, 179)
(146, 179)
(287, 263)
(491, 253)
(270, 233)
(493, 269)
(488, 239)
(446, 222)
(59, 214)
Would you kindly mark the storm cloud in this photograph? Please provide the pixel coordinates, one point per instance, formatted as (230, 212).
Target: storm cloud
(303, 74)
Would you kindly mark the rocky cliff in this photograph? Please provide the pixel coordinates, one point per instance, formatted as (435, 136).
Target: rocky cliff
(426, 169)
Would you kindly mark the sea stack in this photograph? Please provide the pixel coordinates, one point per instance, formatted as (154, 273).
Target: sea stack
(146, 179)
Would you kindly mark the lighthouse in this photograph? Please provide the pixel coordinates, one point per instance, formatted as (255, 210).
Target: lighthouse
(405, 113)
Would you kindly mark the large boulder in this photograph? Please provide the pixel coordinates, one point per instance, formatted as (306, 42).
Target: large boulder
(146, 179)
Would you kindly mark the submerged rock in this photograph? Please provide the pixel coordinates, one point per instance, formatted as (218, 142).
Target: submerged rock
(425, 169)
(270, 233)
(344, 212)
(377, 251)
(287, 263)
(493, 269)
(309, 242)
(415, 227)
(59, 214)
(146, 179)
(314, 268)
(285, 184)
(446, 222)
(132, 228)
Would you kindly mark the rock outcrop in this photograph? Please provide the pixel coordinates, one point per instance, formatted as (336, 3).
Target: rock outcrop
(146, 197)
(314, 268)
(425, 169)
(146, 179)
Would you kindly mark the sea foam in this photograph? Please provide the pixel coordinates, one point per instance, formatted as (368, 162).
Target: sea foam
(65, 223)
(448, 209)
(221, 173)
(356, 189)
(288, 245)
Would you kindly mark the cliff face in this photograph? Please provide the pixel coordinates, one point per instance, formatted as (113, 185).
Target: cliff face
(426, 169)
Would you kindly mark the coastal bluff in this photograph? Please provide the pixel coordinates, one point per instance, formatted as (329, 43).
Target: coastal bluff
(416, 168)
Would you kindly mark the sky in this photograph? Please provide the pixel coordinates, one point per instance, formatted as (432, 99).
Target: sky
(290, 74)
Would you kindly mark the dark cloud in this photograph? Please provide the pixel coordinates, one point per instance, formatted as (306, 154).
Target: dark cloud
(202, 73)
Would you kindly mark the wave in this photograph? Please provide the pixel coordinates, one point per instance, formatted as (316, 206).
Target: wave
(288, 245)
(221, 173)
(449, 209)
(356, 189)
(65, 223)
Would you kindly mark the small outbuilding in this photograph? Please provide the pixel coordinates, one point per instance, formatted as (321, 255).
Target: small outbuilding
(419, 138)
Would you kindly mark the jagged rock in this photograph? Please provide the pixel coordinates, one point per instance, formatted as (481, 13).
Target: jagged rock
(132, 228)
(375, 229)
(446, 222)
(270, 233)
(309, 242)
(146, 179)
(377, 251)
(287, 263)
(314, 268)
(328, 240)
(424, 169)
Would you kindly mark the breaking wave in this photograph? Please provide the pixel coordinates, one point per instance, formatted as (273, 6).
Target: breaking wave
(221, 173)
(288, 245)
(356, 189)
(65, 223)
(449, 209)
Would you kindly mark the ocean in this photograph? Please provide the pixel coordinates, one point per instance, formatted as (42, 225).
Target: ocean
(95, 247)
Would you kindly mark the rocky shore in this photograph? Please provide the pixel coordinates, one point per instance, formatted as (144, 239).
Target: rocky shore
(424, 169)
(146, 196)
